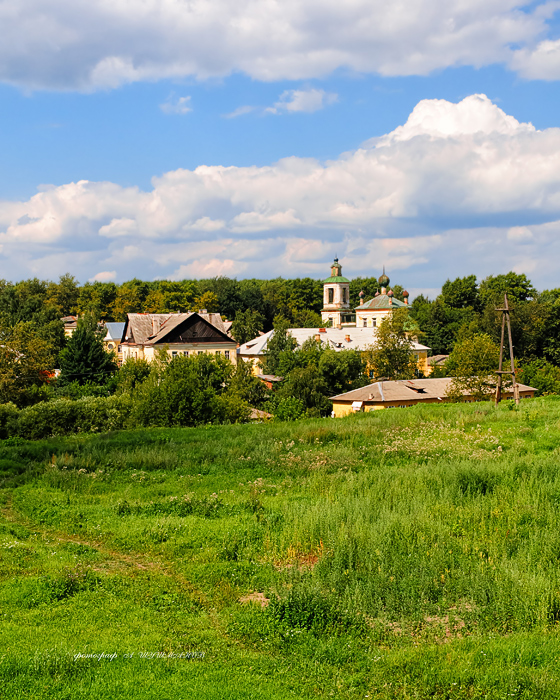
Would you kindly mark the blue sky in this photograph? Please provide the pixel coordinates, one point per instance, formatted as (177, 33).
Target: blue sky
(148, 139)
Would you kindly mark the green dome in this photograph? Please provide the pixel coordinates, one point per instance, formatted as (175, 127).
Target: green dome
(336, 280)
(384, 280)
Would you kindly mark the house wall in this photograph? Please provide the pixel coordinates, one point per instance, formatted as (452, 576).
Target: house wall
(372, 318)
(254, 361)
(114, 347)
(148, 352)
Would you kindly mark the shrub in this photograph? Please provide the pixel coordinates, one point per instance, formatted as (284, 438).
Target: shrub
(8, 416)
(289, 408)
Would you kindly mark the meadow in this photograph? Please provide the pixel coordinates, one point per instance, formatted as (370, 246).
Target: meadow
(406, 553)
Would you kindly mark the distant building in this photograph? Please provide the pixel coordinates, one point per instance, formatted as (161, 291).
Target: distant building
(336, 299)
(371, 313)
(70, 325)
(436, 361)
(401, 393)
(112, 339)
(348, 330)
(183, 334)
(337, 339)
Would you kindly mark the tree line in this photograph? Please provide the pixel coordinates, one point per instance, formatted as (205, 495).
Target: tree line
(461, 322)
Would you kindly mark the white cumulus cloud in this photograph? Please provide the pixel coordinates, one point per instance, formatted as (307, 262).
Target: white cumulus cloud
(64, 44)
(458, 188)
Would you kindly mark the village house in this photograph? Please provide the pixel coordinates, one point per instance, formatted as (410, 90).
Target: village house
(337, 339)
(183, 334)
(112, 339)
(405, 392)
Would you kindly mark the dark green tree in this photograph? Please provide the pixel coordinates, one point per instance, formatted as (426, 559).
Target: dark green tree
(280, 342)
(84, 358)
(461, 293)
(517, 287)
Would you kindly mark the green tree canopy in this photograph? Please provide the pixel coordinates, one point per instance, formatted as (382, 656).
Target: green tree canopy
(473, 364)
(392, 356)
(247, 325)
(26, 362)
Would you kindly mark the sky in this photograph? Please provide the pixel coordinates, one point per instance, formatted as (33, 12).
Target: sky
(178, 139)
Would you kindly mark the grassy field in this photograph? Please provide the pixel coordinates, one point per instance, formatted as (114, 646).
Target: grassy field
(402, 554)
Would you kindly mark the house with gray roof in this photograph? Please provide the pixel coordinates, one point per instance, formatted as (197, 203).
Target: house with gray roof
(183, 334)
(404, 392)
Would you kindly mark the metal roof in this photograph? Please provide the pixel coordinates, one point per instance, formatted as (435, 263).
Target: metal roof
(336, 338)
(404, 390)
(114, 330)
(381, 302)
(336, 280)
(149, 329)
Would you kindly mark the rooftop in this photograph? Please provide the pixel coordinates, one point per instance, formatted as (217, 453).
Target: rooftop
(404, 390)
(336, 338)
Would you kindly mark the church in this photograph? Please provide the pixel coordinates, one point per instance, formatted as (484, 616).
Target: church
(336, 302)
(345, 328)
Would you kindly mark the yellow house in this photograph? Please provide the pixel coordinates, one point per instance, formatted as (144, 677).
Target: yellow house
(401, 393)
(183, 334)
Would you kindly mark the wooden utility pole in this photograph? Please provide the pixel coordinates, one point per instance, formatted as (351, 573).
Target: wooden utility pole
(511, 371)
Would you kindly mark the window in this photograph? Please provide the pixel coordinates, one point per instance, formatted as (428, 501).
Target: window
(174, 353)
(374, 322)
(218, 352)
(201, 352)
(226, 353)
(344, 295)
(331, 296)
(186, 353)
(364, 322)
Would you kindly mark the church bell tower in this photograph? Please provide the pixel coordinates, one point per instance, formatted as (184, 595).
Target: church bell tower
(336, 298)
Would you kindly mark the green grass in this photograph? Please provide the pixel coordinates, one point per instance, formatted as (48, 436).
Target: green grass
(405, 554)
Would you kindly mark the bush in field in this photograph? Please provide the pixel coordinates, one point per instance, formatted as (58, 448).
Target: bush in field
(61, 417)
(8, 416)
(188, 391)
(289, 408)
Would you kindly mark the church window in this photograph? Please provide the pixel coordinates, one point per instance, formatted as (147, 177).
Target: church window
(364, 321)
(374, 322)
(331, 296)
(344, 300)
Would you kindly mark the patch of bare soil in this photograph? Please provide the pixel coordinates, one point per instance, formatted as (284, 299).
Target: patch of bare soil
(255, 598)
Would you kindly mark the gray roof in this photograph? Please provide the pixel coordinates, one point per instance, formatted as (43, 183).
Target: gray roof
(382, 301)
(351, 338)
(114, 330)
(437, 359)
(148, 329)
(404, 390)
